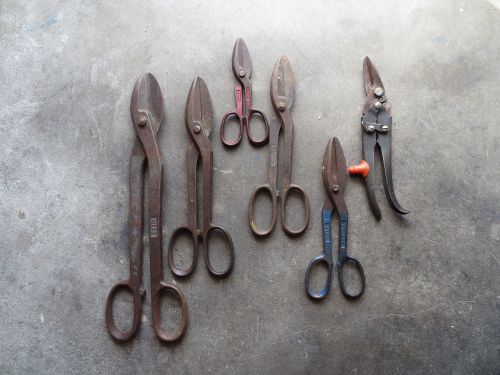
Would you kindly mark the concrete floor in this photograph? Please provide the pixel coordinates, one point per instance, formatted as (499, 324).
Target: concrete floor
(432, 300)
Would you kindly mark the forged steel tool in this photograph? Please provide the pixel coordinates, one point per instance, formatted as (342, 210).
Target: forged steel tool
(146, 108)
(199, 123)
(242, 70)
(334, 180)
(282, 95)
(376, 126)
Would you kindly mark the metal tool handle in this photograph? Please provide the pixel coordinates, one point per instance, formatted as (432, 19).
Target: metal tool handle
(206, 251)
(359, 269)
(369, 143)
(384, 141)
(344, 258)
(316, 262)
(238, 113)
(137, 294)
(270, 187)
(177, 271)
(133, 284)
(257, 142)
(156, 311)
(323, 259)
(303, 196)
(226, 142)
(243, 121)
(271, 191)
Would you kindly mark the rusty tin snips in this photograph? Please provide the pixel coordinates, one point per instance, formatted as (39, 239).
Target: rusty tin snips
(242, 70)
(377, 128)
(282, 96)
(146, 108)
(334, 180)
(199, 123)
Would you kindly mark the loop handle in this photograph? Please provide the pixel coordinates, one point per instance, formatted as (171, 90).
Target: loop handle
(137, 294)
(316, 262)
(305, 200)
(226, 142)
(177, 271)
(251, 139)
(206, 252)
(359, 269)
(155, 307)
(266, 188)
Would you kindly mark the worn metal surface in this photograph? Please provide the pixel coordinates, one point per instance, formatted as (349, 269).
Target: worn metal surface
(146, 111)
(242, 70)
(199, 123)
(431, 303)
(282, 95)
(334, 180)
(377, 129)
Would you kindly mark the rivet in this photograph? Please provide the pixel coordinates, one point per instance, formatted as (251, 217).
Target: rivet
(197, 129)
(281, 106)
(242, 73)
(142, 121)
(371, 129)
(379, 91)
(378, 106)
(335, 188)
(385, 128)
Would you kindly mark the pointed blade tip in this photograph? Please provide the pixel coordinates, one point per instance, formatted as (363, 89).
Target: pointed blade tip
(336, 144)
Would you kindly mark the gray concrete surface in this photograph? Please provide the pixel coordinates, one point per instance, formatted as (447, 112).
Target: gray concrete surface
(432, 302)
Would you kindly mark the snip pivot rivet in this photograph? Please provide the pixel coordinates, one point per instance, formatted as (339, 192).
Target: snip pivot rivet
(335, 188)
(197, 129)
(379, 91)
(142, 121)
(378, 106)
(242, 73)
(281, 106)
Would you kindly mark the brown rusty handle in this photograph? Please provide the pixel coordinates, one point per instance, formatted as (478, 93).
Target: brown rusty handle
(137, 294)
(177, 271)
(155, 307)
(268, 190)
(251, 139)
(305, 200)
(206, 252)
(226, 142)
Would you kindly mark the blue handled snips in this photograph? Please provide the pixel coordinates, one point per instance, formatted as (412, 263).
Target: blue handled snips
(334, 179)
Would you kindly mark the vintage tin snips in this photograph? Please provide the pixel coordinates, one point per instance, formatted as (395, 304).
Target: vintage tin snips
(146, 108)
(282, 96)
(199, 122)
(334, 180)
(377, 128)
(244, 113)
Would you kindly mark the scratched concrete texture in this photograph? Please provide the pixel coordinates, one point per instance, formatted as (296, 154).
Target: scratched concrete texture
(432, 301)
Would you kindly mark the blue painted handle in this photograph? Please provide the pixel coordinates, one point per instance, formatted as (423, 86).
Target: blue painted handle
(325, 259)
(343, 220)
(327, 235)
(344, 258)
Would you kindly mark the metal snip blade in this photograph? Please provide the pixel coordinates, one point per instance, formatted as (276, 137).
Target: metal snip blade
(199, 106)
(371, 77)
(283, 84)
(334, 166)
(242, 62)
(147, 97)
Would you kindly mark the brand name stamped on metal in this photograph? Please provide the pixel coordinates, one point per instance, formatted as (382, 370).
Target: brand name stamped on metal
(192, 191)
(274, 155)
(154, 227)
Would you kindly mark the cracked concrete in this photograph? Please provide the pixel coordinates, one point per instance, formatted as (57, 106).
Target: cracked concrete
(432, 301)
